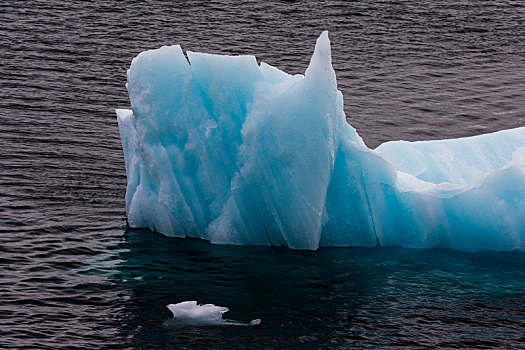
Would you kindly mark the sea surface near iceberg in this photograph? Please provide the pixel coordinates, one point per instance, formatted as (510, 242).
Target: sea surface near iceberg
(73, 276)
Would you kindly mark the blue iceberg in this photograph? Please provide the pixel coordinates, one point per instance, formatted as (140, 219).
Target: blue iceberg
(222, 148)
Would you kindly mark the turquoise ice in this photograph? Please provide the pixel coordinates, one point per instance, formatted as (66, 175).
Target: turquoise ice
(234, 152)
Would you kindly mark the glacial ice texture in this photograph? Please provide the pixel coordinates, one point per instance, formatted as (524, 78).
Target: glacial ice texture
(234, 152)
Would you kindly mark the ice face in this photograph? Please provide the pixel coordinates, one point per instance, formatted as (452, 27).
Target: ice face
(234, 152)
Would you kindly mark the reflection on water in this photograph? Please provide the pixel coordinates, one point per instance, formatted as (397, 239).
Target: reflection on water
(333, 297)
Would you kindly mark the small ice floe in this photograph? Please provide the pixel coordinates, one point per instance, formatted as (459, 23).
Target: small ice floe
(191, 314)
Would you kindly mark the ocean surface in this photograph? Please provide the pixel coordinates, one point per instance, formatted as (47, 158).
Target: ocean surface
(73, 276)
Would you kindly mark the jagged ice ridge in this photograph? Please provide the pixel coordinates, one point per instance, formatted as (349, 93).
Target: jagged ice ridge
(227, 150)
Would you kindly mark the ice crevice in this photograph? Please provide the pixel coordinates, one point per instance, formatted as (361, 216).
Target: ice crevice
(222, 148)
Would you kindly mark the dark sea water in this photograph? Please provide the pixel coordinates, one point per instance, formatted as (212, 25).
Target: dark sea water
(73, 276)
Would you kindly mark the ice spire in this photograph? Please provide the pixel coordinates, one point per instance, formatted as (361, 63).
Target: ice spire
(321, 61)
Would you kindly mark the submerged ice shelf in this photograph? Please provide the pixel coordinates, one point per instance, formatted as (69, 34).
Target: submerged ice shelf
(231, 151)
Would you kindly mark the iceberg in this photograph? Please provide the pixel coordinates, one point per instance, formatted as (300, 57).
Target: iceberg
(235, 152)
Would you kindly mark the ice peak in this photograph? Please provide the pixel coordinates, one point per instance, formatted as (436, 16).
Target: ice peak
(321, 60)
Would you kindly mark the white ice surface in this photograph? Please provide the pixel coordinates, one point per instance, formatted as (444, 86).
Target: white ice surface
(189, 313)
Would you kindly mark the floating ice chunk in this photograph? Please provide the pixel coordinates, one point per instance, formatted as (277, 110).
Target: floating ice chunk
(234, 152)
(189, 313)
(255, 323)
